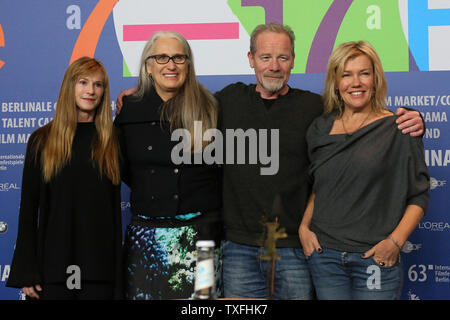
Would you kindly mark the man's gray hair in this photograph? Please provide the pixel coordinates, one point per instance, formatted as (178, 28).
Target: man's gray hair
(271, 27)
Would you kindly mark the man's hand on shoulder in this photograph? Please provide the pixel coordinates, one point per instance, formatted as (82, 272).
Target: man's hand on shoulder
(410, 121)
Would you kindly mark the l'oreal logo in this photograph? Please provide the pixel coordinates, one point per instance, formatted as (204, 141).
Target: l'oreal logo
(8, 186)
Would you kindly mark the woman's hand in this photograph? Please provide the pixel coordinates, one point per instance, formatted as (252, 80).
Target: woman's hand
(385, 253)
(309, 241)
(119, 101)
(31, 291)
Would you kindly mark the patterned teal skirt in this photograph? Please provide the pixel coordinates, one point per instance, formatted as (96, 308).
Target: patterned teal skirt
(161, 257)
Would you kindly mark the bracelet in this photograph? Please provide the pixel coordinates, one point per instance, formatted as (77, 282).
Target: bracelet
(395, 242)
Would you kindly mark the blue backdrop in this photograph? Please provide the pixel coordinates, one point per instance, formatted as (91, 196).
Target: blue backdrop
(38, 39)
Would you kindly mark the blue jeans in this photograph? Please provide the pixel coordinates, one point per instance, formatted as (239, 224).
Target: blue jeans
(341, 275)
(244, 273)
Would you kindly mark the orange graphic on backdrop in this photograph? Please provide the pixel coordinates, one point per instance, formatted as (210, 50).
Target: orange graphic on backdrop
(2, 44)
(89, 35)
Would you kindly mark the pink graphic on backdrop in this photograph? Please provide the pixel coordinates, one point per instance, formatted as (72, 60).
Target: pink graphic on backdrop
(191, 31)
(213, 30)
(2, 44)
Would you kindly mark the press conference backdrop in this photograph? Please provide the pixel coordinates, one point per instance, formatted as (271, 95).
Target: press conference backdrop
(38, 40)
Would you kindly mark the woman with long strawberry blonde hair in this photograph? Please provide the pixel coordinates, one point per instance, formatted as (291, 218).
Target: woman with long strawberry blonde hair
(69, 236)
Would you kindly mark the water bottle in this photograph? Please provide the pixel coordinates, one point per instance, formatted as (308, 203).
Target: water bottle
(205, 280)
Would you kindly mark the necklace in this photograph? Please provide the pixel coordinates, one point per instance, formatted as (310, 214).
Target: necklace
(349, 135)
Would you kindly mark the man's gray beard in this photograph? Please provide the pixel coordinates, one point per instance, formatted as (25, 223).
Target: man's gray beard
(273, 85)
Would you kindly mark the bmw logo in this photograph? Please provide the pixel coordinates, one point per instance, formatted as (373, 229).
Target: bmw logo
(3, 227)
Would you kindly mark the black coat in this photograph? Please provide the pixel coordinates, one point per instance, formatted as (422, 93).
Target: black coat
(159, 188)
(75, 219)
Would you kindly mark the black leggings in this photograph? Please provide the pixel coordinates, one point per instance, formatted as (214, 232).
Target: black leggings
(88, 291)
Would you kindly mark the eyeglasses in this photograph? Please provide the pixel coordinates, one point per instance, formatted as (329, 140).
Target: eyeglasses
(164, 59)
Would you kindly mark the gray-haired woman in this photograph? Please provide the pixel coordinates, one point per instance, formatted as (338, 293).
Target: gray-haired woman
(172, 204)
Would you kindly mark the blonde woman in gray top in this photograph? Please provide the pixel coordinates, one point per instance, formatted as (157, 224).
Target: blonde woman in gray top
(370, 185)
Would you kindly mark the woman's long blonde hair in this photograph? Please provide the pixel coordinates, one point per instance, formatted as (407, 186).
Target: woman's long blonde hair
(335, 69)
(193, 102)
(54, 140)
